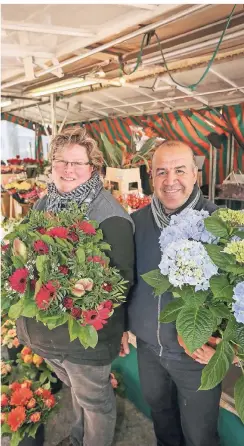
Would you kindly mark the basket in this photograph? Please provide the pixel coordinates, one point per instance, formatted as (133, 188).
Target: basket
(232, 186)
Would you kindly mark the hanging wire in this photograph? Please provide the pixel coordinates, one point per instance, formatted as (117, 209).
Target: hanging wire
(145, 41)
(193, 86)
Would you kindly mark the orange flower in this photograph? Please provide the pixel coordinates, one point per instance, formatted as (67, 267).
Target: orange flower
(50, 402)
(26, 384)
(31, 403)
(27, 359)
(12, 333)
(16, 418)
(21, 397)
(15, 386)
(26, 351)
(3, 418)
(35, 417)
(37, 360)
(15, 342)
(4, 400)
(39, 391)
(46, 394)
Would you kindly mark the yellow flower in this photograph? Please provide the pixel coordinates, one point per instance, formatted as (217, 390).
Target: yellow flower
(24, 186)
(234, 218)
(37, 360)
(237, 249)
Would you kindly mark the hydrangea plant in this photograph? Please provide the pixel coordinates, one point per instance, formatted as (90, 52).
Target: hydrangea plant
(202, 265)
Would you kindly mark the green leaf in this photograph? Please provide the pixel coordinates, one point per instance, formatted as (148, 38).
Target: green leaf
(80, 254)
(30, 309)
(40, 263)
(5, 429)
(239, 234)
(15, 439)
(104, 246)
(190, 296)
(33, 429)
(231, 329)
(171, 311)
(88, 336)
(16, 310)
(17, 262)
(74, 328)
(5, 389)
(237, 270)
(221, 288)
(219, 258)
(155, 279)
(221, 311)
(47, 239)
(239, 397)
(52, 321)
(216, 226)
(195, 325)
(38, 286)
(215, 371)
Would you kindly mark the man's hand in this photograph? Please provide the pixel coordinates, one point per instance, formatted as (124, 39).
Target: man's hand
(124, 347)
(205, 353)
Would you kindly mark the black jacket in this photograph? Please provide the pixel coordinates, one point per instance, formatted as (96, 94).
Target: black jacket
(143, 307)
(117, 228)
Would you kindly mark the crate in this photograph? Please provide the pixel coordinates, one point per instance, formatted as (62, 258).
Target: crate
(123, 179)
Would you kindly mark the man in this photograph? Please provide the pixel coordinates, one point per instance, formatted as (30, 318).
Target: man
(169, 377)
(76, 162)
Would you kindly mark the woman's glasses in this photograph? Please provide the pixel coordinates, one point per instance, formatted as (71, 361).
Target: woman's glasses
(76, 164)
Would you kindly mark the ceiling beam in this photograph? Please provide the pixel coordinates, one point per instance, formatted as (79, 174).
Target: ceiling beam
(115, 98)
(141, 91)
(226, 79)
(15, 50)
(46, 29)
(188, 92)
(91, 98)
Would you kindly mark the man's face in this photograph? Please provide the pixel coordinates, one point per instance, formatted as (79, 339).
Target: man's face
(174, 176)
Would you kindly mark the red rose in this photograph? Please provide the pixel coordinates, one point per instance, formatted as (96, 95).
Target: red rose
(73, 236)
(35, 417)
(68, 303)
(41, 230)
(76, 312)
(107, 287)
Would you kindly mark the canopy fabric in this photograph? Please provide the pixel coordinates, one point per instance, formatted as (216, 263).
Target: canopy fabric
(190, 126)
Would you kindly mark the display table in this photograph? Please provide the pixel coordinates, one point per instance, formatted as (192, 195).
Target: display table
(231, 429)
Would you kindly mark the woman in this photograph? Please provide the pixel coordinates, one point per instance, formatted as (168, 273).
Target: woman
(75, 165)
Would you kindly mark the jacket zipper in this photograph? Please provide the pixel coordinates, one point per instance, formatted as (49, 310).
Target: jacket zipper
(158, 328)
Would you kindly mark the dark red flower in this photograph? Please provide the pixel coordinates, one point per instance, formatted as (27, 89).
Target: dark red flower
(96, 318)
(40, 247)
(96, 259)
(68, 303)
(76, 312)
(63, 269)
(5, 247)
(86, 227)
(41, 230)
(33, 284)
(18, 280)
(107, 287)
(59, 232)
(45, 296)
(73, 236)
(16, 417)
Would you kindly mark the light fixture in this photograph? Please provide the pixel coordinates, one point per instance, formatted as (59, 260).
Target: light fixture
(68, 84)
(6, 103)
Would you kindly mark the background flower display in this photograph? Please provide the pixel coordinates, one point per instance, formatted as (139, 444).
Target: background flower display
(132, 202)
(202, 265)
(26, 191)
(24, 407)
(8, 334)
(55, 269)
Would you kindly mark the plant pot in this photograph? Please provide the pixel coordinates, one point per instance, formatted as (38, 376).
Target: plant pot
(37, 441)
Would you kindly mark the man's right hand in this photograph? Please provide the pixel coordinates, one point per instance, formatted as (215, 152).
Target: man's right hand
(124, 347)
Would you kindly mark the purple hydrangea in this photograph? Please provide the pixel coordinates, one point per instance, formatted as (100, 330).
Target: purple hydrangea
(189, 224)
(238, 306)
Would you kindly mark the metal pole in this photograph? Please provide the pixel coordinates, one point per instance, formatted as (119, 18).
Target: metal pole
(232, 153)
(53, 114)
(214, 172)
(210, 172)
(227, 168)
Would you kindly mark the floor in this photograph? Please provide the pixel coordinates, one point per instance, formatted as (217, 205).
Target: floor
(132, 428)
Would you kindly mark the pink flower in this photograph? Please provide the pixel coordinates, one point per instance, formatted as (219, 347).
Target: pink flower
(96, 259)
(40, 247)
(86, 227)
(45, 295)
(107, 304)
(96, 318)
(18, 280)
(73, 236)
(59, 232)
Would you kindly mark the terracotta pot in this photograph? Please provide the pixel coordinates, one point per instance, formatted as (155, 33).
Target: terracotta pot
(183, 345)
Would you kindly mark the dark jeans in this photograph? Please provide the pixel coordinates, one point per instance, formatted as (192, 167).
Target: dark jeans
(182, 416)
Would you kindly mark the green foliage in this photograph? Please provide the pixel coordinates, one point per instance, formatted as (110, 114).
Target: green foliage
(171, 311)
(215, 371)
(239, 397)
(155, 279)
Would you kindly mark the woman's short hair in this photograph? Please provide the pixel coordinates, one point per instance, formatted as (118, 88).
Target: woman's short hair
(77, 135)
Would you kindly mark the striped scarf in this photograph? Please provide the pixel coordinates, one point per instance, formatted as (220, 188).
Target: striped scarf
(161, 218)
(83, 194)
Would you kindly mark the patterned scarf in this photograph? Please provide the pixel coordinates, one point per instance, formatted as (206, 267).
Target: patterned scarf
(161, 218)
(83, 194)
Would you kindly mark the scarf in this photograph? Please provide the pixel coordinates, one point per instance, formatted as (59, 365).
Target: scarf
(161, 218)
(83, 194)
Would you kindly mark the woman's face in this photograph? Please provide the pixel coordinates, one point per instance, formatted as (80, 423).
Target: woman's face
(70, 168)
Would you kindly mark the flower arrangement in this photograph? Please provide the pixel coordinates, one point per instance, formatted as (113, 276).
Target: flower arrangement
(202, 265)
(26, 190)
(8, 334)
(124, 157)
(6, 369)
(29, 365)
(24, 407)
(132, 202)
(55, 269)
